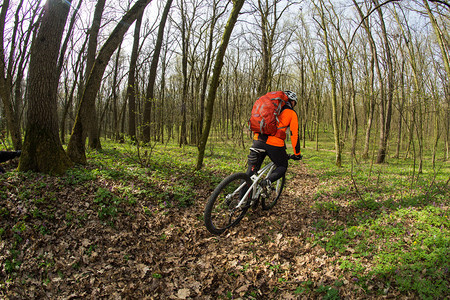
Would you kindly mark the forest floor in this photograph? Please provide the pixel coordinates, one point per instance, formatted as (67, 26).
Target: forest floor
(80, 241)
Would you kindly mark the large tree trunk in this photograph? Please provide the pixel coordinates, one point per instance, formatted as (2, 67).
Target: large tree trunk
(150, 94)
(75, 148)
(42, 151)
(237, 5)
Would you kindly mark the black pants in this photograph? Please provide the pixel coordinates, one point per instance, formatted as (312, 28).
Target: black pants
(258, 153)
(7, 155)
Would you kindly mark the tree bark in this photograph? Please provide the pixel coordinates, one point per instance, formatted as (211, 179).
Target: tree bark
(76, 148)
(237, 5)
(42, 151)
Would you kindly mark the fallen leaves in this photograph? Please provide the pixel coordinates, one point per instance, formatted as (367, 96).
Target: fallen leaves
(152, 253)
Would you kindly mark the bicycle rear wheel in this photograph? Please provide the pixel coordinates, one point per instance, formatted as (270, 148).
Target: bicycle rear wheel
(220, 211)
(275, 190)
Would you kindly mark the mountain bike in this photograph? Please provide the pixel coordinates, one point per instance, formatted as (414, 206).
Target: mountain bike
(231, 199)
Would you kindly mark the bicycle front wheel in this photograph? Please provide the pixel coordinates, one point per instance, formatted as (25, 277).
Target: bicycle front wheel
(221, 211)
(275, 190)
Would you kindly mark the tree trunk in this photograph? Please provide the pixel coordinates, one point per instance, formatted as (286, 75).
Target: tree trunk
(42, 151)
(265, 49)
(68, 104)
(237, 5)
(385, 123)
(352, 92)
(207, 70)
(6, 85)
(441, 40)
(68, 36)
(373, 64)
(131, 88)
(445, 57)
(417, 88)
(330, 62)
(184, 62)
(400, 110)
(115, 120)
(89, 109)
(75, 148)
(150, 94)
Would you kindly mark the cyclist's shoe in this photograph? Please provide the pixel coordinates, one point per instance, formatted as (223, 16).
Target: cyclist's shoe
(265, 184)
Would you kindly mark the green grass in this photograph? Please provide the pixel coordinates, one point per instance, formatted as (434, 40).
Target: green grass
(390, 216)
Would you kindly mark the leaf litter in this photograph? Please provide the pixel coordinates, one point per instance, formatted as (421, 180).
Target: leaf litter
(54, 245)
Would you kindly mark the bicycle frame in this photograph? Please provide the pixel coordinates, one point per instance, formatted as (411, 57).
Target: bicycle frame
(255, 178)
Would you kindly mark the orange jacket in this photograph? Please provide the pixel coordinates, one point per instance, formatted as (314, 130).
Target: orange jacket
(287, 118)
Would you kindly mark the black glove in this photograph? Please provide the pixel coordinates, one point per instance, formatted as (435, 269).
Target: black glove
(296, 157)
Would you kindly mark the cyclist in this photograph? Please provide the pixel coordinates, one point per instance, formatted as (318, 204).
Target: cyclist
(274, 145)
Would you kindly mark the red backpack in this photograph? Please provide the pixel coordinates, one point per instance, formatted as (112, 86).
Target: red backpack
(265, 112)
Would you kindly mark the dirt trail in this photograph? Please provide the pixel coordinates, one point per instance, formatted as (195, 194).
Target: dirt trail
(170, 254)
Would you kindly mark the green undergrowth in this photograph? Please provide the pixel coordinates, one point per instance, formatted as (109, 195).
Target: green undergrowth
(388, 224)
